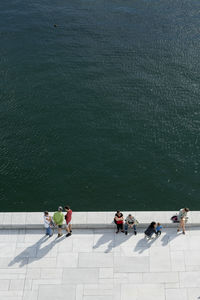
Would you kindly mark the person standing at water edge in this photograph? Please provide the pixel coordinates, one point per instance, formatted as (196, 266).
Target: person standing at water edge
(58, 218)
(47, 223)
(182, 217)
(119, 221)
(68, 218)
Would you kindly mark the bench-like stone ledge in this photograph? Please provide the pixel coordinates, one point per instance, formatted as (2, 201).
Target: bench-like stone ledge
(92, 220)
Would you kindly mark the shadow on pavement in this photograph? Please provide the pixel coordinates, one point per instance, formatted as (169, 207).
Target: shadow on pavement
(23, 257)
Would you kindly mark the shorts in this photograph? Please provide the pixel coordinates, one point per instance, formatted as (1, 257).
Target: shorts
(70, 223)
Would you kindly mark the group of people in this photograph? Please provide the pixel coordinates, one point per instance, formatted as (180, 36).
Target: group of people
(123, 226)
(153, 228)
(57, 220)
(131, 222)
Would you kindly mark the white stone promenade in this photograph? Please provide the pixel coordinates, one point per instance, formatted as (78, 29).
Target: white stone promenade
(99, 265)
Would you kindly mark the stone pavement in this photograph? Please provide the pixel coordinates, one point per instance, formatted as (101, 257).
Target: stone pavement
(99, 265)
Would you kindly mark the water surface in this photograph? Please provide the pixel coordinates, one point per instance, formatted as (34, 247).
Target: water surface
(103, 110)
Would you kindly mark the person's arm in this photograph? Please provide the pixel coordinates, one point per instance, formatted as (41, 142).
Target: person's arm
(46, 221)
(62, 218)
(54, 219)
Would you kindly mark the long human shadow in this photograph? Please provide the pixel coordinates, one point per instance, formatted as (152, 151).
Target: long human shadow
(166, 239)
(112, 239)
(23, 257)
(144, 244)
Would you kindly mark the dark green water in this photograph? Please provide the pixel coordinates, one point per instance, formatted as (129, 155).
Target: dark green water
(102, 111)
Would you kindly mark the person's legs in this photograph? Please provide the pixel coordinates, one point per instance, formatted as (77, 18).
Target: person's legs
(179, 225)
(135, 229)
(49, 231)
(118, 227)
(126, 228)
(70, 227)
(59, 230)
(183, 226)
(68, 230)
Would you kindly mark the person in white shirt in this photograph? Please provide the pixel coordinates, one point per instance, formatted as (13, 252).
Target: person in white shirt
(182, 217)
(47, 222)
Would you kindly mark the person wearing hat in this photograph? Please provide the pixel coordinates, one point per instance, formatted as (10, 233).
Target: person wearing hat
(58, 219)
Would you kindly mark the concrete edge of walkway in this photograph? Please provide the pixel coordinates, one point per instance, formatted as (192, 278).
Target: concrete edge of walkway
(93, 220)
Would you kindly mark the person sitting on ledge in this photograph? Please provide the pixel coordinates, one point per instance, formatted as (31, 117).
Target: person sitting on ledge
(150, 230)
(119, 221)
(130, 222)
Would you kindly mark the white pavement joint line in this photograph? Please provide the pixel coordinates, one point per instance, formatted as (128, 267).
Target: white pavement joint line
(103, 276)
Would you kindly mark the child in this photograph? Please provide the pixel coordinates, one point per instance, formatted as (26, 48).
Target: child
(158, 229)
(47, 223)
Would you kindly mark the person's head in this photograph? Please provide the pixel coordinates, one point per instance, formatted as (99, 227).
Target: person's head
(153, 224)
(46, 213)
(60, 208)
(118, 212)
(67, 208)
(130, 216)
(158, 224)
(186, 209)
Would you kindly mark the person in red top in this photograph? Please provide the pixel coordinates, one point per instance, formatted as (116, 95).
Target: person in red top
(68, 218)
(119, 221)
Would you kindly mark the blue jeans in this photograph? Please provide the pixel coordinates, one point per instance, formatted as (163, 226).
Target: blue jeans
(126, 227)
(48, 231)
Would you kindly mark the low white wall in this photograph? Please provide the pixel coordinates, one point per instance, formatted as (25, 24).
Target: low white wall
(34, 220)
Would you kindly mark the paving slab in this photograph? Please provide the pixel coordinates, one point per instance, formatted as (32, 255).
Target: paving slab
(99, 264)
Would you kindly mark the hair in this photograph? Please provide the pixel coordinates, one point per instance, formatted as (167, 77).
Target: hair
(46, 212)
(186, 209)
(67, 207)
(158, 224)
(130, 215)
(153, 224)
(118, 211)
(60, 208)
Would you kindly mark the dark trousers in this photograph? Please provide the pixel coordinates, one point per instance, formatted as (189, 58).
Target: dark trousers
(158, 233)
(119, 227)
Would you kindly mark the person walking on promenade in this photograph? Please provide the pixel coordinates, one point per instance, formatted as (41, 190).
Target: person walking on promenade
(182, 217)
(150, 230)
(158, 229)
(68, 218)
(130, 222)
(58, 219)
(47, 223)
(119, 221)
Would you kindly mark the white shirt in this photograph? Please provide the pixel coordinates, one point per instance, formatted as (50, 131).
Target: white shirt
(46, 222)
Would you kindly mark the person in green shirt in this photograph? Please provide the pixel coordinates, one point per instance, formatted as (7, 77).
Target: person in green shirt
(58, 219)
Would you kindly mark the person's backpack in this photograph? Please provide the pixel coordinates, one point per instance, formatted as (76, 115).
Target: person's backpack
(174, 219)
